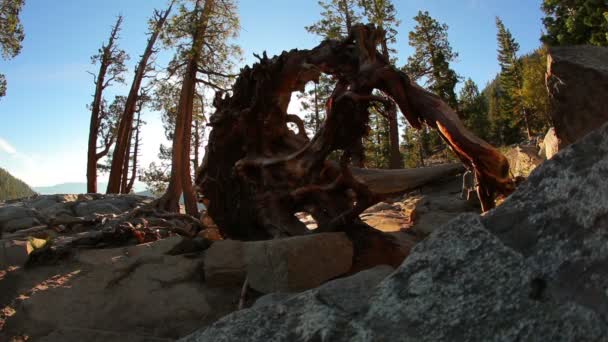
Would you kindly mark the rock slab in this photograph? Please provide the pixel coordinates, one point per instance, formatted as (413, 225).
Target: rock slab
(577, 79)
(135, 293)
(533, 269)
(297, 263)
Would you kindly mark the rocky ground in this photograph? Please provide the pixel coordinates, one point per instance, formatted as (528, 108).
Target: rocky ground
(532, 269)
(101, 268)
(109, 268)
(74, 266)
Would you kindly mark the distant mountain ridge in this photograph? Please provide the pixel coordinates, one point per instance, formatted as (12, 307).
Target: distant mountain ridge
(77, 188)
(12, 188)
(66, 188)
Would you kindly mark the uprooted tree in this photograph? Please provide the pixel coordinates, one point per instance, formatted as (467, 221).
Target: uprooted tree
(257, 173)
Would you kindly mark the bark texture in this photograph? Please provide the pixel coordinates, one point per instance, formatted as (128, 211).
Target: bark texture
(93, 156)
(256, 173)
(181, 179)
(117, 182)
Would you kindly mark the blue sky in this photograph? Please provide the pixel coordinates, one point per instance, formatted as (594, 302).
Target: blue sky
(44, 120)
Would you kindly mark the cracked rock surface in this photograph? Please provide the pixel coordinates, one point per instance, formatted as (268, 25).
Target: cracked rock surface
(533, 269)
(134, 293)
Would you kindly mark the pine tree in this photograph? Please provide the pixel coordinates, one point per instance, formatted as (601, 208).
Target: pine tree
(117, 181)
(313, 101)
(431, 64)
(111, 61)
(337, 17)
(11, 33)
(534, 94)
(200, 33)
(572, 22)
(382, 13)
(512, 112)
(473, 109)
(431, 59)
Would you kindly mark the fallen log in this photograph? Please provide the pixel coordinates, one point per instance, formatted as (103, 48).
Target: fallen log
(257, 173)
(395, 182)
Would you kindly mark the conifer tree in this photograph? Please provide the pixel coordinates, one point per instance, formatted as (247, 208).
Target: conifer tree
(111, 61)
(572, 22)
(337, 17)
(473, 109)
(533, 92)
(512, 112)
(120, 160)
(383, 14)
(200, 33)
(431, 59)
(431, 63)
(11, 33)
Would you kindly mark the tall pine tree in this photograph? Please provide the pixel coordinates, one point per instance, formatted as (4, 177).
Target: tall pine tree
(200, 32)
(431, 59)
(431, 64)
(382, 13)
(512, 112)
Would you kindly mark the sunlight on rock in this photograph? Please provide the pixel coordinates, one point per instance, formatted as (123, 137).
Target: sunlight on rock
(307, 219)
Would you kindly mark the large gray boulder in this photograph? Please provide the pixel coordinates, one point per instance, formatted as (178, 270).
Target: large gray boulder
(523, 160)
(290, 264)
(297, 263)
(305, 316)
(577, 79)
(20, 223)
(13, 213)
(532, 269)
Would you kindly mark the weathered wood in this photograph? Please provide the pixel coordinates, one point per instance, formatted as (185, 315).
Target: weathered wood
(394, 182)
(257, 173)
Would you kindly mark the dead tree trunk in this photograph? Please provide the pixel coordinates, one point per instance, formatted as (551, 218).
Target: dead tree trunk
(257, 173)
(125, 166)
(197, 142)
(136, 146)
(181, 179)
(121, 152)
(106, 59)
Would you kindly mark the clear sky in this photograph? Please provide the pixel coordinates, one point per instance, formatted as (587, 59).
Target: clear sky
(44, 120)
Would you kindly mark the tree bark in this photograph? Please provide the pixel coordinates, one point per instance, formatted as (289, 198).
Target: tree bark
(92, 155)
(181, 179)
(195, 159)
(125, 166)
(94, 132)
(135, 154)
(121, 152)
